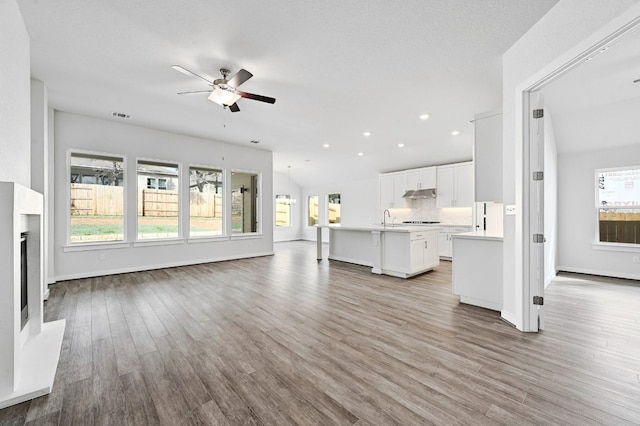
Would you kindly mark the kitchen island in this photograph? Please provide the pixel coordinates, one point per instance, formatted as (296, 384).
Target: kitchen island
(399, 251)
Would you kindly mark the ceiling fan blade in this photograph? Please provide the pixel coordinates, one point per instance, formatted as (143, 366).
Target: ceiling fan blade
(260, 98)
(234, 108)
(195, 93)
(240, 77)
(190, 73)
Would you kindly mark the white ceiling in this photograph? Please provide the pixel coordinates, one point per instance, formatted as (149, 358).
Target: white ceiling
(337, 69)
(596, 104)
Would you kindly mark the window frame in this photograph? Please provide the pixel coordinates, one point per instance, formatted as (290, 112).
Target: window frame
(223, 193)
(340, 204)
(611, 245)
(80, 245)
(154, 241)
(309, 197)
(259, 206)
(275, 211)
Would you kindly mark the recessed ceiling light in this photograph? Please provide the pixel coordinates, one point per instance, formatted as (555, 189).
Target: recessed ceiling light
(361, 154)
(326, 145)
(400, 145)
(367, 133)
(424, 116)
(455, 133)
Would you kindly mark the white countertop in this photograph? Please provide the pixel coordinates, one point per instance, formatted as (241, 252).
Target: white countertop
(380, 228)
(480, 235)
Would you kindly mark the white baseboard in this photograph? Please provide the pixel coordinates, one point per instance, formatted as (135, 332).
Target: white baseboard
(550, 277)
(511, 319)
(157, 266)
(614, 274)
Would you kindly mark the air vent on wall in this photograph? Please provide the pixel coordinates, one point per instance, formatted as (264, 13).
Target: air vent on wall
(121, 115)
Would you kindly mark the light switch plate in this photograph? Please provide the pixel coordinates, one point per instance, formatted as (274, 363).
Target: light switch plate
(510, 210)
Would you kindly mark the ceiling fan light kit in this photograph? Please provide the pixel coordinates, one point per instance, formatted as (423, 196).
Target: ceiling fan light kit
(224, 91)
(224, 97)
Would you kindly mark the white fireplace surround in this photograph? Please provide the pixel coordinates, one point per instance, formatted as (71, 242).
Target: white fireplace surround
(28, 356)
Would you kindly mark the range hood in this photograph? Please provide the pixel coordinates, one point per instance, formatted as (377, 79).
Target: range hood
(420, 193)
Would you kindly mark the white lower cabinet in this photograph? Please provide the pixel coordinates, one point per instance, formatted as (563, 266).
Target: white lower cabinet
(445, 241)
(424, 253)
(410, 253)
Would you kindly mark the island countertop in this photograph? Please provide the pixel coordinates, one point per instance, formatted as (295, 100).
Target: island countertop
(380, 228)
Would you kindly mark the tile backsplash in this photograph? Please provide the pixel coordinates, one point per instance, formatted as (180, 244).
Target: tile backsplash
(425, 209)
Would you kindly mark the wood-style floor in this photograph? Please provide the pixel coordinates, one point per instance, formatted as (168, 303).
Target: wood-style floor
(287, 340)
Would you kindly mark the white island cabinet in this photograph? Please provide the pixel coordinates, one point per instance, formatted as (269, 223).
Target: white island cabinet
(477, 269)
(408, 254)
(399, 251)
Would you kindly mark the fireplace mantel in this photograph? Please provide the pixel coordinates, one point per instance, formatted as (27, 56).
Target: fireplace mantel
(28, 356)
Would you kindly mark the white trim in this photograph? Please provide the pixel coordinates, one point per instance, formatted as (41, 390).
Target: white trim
(247, 236)
(613, 274)
(158, 242)
(621, 247)
(158, 266)
(481, 303)
(96, 246)
(207, 239)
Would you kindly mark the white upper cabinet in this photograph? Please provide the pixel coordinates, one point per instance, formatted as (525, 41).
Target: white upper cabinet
(391, 188)
(399, 188)
(464, 185)
(455, 185)
(424, 178)
(488, 156)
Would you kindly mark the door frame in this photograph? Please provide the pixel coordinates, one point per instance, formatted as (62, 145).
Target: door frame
(529, 207)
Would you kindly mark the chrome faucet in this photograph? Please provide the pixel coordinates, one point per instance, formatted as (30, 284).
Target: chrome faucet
(384, 217)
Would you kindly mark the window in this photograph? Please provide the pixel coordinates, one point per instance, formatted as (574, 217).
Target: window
(205, 202)
(618, 205)
(312, 203)
(334, 208)
(158, 200)
(283, 210)
(97, 198)
(245, 202)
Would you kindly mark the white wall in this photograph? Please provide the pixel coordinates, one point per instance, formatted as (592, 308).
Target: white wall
(14, 96)
(358, 204)
(577, 213)
(550, 199)
(568, 29)
(283, 186)
(107, 136)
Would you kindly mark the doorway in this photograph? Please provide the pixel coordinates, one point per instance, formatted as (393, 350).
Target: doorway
(564, 93)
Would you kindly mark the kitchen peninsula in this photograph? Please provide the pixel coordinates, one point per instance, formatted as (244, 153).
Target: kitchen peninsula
(399, 251)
